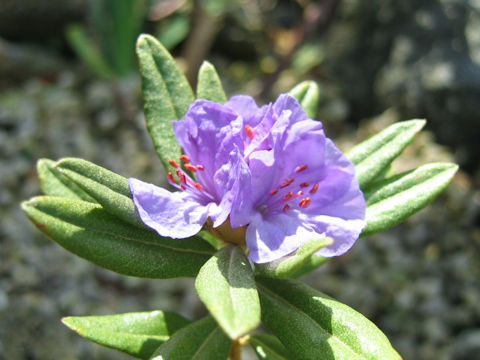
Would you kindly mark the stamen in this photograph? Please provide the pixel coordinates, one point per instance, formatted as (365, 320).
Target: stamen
(286, 183)
(200, 167)
(185, 158)
(273, 192)
(286, 207)
(314, 189)
(300, 193)
(305, 202)
(288, 195)
(173, 163)
(183, 187)
(301, 168)
(249, 131)
(171, 178)
(304, 185)
(199, 186)
(190, 167)
(182, 177)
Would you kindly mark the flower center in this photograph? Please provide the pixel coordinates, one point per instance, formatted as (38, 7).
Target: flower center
(285, 196)
(226, 233)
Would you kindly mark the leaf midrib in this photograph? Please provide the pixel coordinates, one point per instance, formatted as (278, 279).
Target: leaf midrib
(118, 236)
(281, 299)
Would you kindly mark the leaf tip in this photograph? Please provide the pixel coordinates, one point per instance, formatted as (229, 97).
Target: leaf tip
(206, 65)
(68, 322)
(25, 205)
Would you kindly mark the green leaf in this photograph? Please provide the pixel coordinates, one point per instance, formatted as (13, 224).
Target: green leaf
(289, 265)
(90, 232)
(201, 340)
(87, 51)
(226, 286)
(308, 95)
(268, 347)
(391, 201)
(53, 183)
(314, 326)
(138, 334)
(209, 85)
(108, 188)
(373, 155)
(166, 94)
(314, 262)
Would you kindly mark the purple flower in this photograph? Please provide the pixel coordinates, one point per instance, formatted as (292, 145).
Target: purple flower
(265, 176)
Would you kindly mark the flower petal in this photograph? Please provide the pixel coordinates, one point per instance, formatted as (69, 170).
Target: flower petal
(172, 214)
(247, 108)
(208, 134)
(233, 182)
(344, 232)
(287, 102)
(271, 238)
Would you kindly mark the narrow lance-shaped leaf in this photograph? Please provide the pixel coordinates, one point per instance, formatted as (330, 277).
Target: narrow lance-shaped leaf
(391, 201)
(137, 334)
(53, 183)
(90, 232)
(226, 286)
(314, 326)
(166, 94)
(373, 155)
(209, 85)
(108, 188)
(314, 262)
(308, 95)
(289, 265)
(268, 347)
(201, 340)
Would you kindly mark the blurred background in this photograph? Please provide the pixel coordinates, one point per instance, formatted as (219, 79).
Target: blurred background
(69, 86)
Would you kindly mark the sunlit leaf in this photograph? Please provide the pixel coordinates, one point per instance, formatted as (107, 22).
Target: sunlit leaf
(226, 286)
(138, 334)
(90, 232)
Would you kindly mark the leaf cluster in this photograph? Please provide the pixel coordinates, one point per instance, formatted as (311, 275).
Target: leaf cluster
(89, 211)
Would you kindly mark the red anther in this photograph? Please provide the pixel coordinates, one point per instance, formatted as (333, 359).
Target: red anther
(249, 131)
(273, 192)
(200, 167)
(173, 163)
(304, 185)
(305, 202)
(199, 186)
(190, 167)
(182, 177)
(286, 183)
(300, 193)
(301, 168)
(183, 187)
(184, 158)
(314, 189)
(286, 207)
(288, 195)
(171, 178)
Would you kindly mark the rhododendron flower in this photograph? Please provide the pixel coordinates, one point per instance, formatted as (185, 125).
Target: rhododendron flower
(265, 177)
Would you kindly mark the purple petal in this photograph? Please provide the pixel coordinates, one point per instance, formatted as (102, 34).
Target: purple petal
(174, 215)
(269, 239)
(287, 102)
(344, 232)
(233, 182)
(208, 134)
(247, 108)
